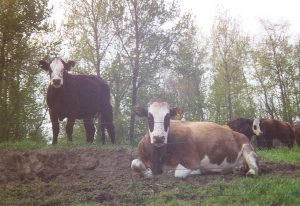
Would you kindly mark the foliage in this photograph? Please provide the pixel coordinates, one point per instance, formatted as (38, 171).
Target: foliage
(20, 107)
(184, 82)
(274, 70)
(229, 96)
(144, 44)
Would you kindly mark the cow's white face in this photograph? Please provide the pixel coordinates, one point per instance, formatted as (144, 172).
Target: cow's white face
(56, 70)
(159, 115)
(56, 73)
(158, 122)
(256, 127)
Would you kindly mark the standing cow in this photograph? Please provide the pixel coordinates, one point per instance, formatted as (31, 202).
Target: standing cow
(191, 147)
(272, 129)
(242, 125)
(297, 132)
(77, 97)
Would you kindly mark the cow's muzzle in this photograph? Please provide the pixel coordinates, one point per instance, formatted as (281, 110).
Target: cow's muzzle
(56, 83)
(159, 141)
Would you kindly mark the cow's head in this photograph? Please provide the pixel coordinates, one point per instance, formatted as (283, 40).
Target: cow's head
(159, 114)
(256, 127)
(56, 69)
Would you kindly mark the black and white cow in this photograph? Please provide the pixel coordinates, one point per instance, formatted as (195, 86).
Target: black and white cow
(77, 97)
(191, 147)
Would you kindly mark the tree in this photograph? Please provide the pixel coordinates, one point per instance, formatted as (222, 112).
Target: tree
(118, 76)
(186, 67)
(274, 70)
(139, 26)
(89, 32)
(230, 96)
(20, 20)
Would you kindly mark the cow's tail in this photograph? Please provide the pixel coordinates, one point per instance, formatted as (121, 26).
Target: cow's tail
(250, 158)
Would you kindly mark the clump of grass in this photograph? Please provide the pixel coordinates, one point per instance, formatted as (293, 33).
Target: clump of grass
(282, 154)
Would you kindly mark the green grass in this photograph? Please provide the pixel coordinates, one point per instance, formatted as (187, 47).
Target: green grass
(28, 144)
(282, 155)
(263, 190)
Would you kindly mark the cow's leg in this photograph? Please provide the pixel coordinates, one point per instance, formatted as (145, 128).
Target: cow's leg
(182, 172)
(250, 158)
(69, 128)
(139, 167)
(90, 129)
(55, 127)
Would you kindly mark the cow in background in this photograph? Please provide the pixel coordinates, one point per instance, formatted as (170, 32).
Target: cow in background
(77, 97)
(242, 125)
(297, 132)
(191, 147)
(272, 129)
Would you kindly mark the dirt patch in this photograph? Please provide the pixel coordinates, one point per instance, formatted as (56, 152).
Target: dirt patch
(62, 177)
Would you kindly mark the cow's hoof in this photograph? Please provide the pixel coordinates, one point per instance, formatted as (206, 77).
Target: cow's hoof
(251, 173)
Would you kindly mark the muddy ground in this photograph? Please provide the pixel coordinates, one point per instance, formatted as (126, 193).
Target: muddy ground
(64, 177)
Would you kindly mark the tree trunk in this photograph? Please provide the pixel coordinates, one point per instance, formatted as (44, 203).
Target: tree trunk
(135, 74)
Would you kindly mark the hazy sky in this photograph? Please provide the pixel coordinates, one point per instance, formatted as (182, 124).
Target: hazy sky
(247, 11)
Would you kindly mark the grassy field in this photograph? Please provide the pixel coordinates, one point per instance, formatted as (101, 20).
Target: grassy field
(265, 189)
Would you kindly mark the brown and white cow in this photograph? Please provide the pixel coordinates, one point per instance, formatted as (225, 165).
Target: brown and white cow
(271, 129)
(191, 147)
(297, 132)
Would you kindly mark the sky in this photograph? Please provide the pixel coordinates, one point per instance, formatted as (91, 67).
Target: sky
(248, 12)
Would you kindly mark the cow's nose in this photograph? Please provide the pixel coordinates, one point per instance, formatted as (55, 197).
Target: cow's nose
(56, 81)
(159, 139)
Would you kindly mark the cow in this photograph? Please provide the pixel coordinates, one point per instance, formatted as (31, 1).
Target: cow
(77, 97)
(242, 125)
(271, 129)
(297, 132)
(192, 147)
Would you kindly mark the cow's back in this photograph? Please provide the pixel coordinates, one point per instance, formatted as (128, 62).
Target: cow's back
(200, 139)
(81, 96)
(242, 125)
(93, 94)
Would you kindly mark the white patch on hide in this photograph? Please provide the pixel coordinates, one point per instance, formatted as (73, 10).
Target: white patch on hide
(224, 167)
(138, 166)
(182, 172)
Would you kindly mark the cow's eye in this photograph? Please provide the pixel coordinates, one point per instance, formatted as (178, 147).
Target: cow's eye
(254, 127)
(167, 122)
(150, 122)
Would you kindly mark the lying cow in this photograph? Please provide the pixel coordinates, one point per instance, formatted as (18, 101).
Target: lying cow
(191, 147)
(77, 97)
(271, 129)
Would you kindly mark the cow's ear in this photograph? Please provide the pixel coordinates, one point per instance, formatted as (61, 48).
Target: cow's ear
(176, 111)
(44, 65)
(140, 111)
(70, 64)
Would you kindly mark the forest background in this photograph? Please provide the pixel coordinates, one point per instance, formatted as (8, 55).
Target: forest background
(145, 50)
